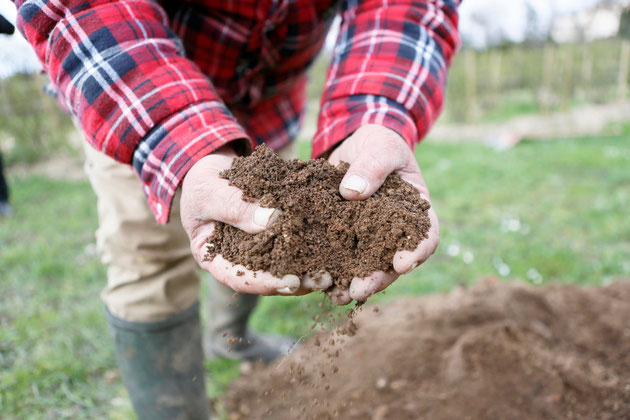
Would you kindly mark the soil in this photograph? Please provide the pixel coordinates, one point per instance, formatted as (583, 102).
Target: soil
(499, 350)
(318, 230)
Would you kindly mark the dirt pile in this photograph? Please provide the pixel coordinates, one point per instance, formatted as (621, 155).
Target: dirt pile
(496, 351)
(318, 230)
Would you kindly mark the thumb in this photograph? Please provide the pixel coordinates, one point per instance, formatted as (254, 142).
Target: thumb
(368, 172)
(206, 198)
(227, 206)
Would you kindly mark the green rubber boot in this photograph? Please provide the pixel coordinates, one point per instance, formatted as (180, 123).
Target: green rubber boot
(162, 366)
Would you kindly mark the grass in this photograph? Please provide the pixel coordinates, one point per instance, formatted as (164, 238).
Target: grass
(32, 125)
(541, 212)
(501, 83)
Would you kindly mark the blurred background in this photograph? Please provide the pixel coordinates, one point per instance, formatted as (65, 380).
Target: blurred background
(528, 166)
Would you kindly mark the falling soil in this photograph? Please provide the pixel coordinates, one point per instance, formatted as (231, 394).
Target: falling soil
(318, 230)
(500, 350)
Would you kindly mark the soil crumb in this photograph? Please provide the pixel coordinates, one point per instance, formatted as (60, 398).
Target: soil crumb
(318, 230)
(499, 350)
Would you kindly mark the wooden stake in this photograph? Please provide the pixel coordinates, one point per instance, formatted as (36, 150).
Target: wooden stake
(622, 76)
(472, 112)
(547, 79)
(567, 77)
(495, 74)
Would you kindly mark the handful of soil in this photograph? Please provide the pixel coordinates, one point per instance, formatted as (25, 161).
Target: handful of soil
(318, 230)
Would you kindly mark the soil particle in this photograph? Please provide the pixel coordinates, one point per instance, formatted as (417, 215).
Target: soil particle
(499, 350)
(317, 229)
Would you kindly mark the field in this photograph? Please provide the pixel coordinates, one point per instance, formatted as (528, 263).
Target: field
(542, 212)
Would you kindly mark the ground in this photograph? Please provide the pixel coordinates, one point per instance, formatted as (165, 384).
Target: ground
(497, 350)
(542, 212)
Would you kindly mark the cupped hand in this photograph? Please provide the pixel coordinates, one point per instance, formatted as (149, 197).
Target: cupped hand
(374, 152)
(207, 198)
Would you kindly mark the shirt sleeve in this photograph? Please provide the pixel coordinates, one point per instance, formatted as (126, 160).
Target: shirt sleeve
(389, 67)
(120, 70)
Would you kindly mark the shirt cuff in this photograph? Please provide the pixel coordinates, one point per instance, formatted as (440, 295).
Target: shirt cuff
(172, 147)
(341, 117)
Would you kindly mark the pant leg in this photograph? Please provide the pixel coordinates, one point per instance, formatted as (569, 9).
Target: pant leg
(151, 273)
(4, 188)
(151, 294)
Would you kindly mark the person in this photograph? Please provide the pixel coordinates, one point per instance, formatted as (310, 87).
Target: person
(5, 207)
(169, 93)
(6, 28)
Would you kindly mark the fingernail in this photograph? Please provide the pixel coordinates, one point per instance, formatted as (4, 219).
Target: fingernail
(320, 281)
(263, 216)
(285, 291)
(326, 281)
(293, 284)
(413, 266)
(355, 183)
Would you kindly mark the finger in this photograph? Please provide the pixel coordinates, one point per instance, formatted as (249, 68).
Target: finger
(413, 175)
(363, 288)
(339, 296)
(198, 244)
(319, 281)
(243, 280)
(227, 205)
(405, 261)
(368, 171)
(207, 197)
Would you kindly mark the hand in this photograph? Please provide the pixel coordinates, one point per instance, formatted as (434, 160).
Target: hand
(207, 198)
(374, 152)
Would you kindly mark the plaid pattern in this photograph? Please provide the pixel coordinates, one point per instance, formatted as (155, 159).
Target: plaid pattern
(160, 84)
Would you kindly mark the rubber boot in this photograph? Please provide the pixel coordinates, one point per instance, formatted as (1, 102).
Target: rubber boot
(5, 207)
(162, 366)
(229, 313)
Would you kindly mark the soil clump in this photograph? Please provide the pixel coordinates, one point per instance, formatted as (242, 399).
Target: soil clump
(499, 350)
(318, 230)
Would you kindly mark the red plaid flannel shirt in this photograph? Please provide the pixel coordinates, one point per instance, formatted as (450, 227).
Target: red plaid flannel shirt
(161, 84)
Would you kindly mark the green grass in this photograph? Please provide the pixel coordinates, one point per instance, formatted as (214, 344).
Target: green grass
(32, 125)
(550, 211)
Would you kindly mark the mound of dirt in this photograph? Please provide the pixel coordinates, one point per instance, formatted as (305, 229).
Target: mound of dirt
(318, 230)
(504, 351)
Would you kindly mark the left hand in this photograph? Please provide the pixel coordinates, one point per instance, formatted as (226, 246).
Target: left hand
(207, 198)
(374, 152)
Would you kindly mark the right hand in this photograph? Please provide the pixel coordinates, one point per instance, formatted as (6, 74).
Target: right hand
(374, 152)
(207, 198)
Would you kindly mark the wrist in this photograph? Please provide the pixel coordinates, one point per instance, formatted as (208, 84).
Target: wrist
(228, 150)
(219, 158)
(172, 148)
(378, 132)
(338, 120)
(209, 165)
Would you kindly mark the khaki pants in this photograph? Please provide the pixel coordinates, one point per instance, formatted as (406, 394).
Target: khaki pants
(151, 273)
